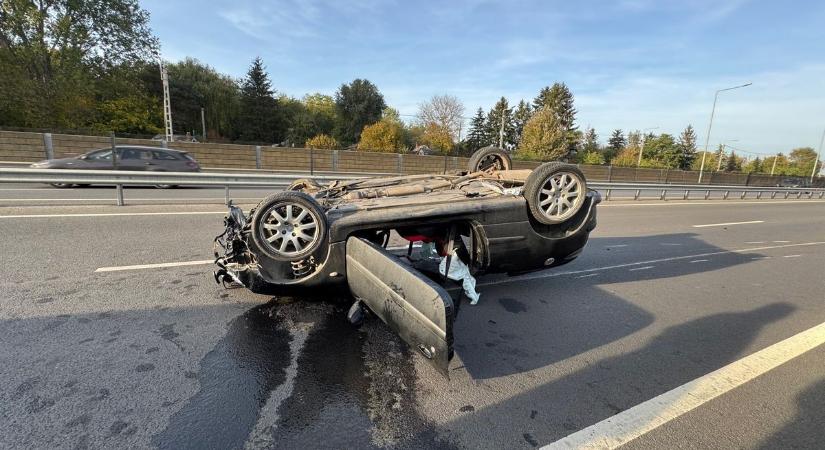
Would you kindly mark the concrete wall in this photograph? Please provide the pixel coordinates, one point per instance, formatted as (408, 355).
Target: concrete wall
(30, 147)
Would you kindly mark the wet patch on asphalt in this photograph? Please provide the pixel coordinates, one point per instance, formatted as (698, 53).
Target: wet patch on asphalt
(235, 378)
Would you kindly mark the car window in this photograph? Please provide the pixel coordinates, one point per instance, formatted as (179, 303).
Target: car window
(100, 155)
(164, 156)
(133, 153)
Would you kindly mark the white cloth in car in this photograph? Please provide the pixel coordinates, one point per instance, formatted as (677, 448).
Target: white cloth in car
(460, 271)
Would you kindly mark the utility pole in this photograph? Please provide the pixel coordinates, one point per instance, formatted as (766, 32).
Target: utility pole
(501, 131)
(710, 125)
(773, 167)
(818, 154)
(721, 154)
(203, 124)
(642, 149)
(167, 105)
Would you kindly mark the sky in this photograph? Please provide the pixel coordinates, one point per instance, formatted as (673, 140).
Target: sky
(631, 64)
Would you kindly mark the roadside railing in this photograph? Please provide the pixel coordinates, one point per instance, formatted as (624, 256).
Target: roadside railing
(278, 180)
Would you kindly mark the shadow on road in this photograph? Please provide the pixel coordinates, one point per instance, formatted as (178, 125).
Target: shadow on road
(523, 325)
(606, 387)
(805, 430)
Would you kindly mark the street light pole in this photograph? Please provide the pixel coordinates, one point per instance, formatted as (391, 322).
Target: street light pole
(818, 154)
(710, 125)
(642, 147)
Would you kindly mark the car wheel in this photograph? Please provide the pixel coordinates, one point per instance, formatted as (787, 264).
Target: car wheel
(62, 185)
(555, 192)
(490, 158)
(289, 226)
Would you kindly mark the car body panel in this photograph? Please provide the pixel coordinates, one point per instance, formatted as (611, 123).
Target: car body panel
(412, 305)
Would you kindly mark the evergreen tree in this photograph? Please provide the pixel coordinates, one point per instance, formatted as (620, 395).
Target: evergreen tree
(358, 104)
(520, 118)
(590, 143)
(615, 144)
(544, 139)
(258, 118)
(501, 113)
(731, 164)
(477, 137)
(687, 144)
(560, 100)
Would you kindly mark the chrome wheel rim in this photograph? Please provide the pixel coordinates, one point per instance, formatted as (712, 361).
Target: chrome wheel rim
(561, 196)
(290, 229)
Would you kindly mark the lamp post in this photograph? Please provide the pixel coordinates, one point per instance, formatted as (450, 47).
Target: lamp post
(642, 148)
(710, 125)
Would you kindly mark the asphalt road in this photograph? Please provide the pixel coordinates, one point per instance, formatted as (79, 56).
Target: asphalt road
(165, 358)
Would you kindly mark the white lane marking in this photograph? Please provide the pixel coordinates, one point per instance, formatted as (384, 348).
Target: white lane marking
(155, 266)
(792, 256)
(760, 257)
(43, 189)
(699, 260)
(755, 242)
(588, 275)
(617, 246)
(645, 417)
(781, 242)
(716, 202)
(170, 213)
(642, 268)
(671, 244)
(727, 223)
(652, 261)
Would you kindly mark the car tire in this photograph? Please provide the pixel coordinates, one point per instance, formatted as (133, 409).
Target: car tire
(289, 226)
(61, 185)
(555, 192)
(489, 158)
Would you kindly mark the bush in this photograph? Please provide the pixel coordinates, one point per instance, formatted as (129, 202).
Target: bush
(322, 141)
(384, 136)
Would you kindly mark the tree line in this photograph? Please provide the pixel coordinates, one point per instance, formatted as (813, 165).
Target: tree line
(93, 65)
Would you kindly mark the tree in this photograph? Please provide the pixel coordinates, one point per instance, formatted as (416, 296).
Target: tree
(559, 99)
(628, 157)
(590, 142)
(710, 161)
(544, 137)
(322, 141)
(477, 137)
(322, 112)
(733, 164)
(443, 111)
(687, 145)
(56, 56)
(520, 118)
(357, 104)
(501, 117)
(615, 144)
(437, 138)
(192, 86)
(592, 158)
(382, 136)
(802, 161)
(259, 119)
(753, 166)
(661, 151)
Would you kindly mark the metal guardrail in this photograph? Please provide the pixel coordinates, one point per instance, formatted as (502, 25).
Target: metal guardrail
(686, 189)
(227, 180)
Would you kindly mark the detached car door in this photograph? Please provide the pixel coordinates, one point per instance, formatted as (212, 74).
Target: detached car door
(412, 305)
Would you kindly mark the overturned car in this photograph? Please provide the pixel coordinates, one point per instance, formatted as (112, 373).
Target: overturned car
(489, 219)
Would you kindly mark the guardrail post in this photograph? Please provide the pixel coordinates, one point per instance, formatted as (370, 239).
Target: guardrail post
(744, 193)
(759, 195)
(773, 195)
(311, 161)
(400, 163)
(226, 195)
(725, 197)
(257, 156)
(707, 195)
(47, 144)
(335, 160)
(119, 190)
(607, 195)
(638, 192)
(810, 195)
(664, 194)
(787, 194)
(609, 173)
(687, 194)
(799, 194)
(822, 194)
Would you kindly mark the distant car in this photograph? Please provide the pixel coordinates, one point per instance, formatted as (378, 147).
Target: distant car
(313, 237)
(131, 157)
